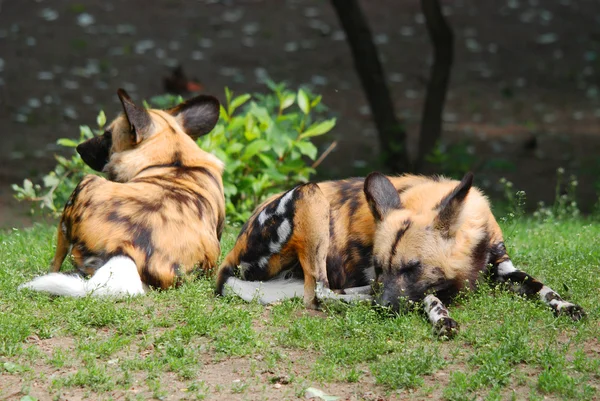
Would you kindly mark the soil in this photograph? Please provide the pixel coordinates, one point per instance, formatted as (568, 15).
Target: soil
(524, 92)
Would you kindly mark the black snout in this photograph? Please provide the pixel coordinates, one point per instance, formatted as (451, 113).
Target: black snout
(390, 299)
(96, 151)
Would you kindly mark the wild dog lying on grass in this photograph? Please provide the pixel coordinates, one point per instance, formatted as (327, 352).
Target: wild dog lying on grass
(160, 214)
(416, 238)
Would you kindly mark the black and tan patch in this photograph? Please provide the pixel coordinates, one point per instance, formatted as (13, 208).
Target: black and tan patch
(163, 204)
(411, 237)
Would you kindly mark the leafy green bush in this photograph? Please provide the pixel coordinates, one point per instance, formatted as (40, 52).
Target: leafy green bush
(265, 141)
(264, 146)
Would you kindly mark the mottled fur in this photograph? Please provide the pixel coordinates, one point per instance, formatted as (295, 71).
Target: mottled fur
(409, 237)
(162, 204)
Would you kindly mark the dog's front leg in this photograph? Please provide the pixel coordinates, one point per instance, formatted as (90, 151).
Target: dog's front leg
(311, 240)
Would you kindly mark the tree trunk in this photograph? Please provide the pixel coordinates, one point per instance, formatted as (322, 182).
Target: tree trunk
(442, 39)
(392, 136)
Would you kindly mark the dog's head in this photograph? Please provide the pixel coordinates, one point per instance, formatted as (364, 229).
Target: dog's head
(138, 126)
(425, 243)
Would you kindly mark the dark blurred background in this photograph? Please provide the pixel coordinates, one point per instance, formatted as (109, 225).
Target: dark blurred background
(523, 97)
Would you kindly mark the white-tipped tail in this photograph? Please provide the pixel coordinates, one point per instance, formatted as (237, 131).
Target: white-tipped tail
(284, 287)
(265, 292)
(117, 278)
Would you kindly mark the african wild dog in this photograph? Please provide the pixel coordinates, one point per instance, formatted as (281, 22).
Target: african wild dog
(160, 214)
(415, 238)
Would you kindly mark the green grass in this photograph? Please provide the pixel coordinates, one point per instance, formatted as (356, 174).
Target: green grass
(187, 344)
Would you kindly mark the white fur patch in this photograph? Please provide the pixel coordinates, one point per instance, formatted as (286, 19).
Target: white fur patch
(265, 292)
(435, 313)
(263, 216)
(283, 232)
(506, 267)
(281, 208)
(118, 277)
(263, 262)
(556, 304)
(285, 199)
(283, 287)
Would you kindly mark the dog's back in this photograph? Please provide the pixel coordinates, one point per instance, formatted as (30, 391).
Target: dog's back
(162, 207)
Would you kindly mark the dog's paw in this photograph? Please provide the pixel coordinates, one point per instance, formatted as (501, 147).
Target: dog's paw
(446, 327)
(574, 311)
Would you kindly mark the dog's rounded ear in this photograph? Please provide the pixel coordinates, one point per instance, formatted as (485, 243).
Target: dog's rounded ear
(451, 205)
(139, 119)
(381, 195)
(198, 116)
(96, 151)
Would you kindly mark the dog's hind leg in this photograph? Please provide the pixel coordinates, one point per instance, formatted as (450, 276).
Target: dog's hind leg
(503, 271)
(62, 248)
(290, 230)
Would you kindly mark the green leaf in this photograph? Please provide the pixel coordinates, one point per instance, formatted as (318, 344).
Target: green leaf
(318, 129)
(279, 148)
(253, 148)
(287, 101)
(101, 119)
(315, 102)
(307, 149)
(234, 147)
(28, 187)
(261, 114)
(67, 143)
(28, 398)
(267, 160)
(61, 160)
(223, 113)
(227, 95)
(237, 102)
(275, 175)
(252, 134)
(12, 367)
(272, 85)
(230, 189)
(303, 101)
(51, 180)
(85, 132)
(251, 131)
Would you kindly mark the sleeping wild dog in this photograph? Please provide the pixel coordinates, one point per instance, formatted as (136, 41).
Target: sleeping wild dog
(411, 238)
(158, 217)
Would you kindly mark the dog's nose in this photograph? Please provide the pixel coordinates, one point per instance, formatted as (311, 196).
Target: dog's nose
(389, 300)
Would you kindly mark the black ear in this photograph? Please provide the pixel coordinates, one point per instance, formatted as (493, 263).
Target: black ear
(381, 195)
(96, 151)
(198, 116)
(451, 205)
(138, 117)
